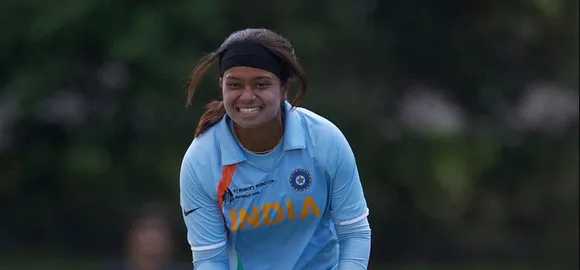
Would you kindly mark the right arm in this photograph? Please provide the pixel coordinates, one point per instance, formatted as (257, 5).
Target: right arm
(206, 231)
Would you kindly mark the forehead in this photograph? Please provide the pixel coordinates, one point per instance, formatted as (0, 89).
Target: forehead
(247, 73)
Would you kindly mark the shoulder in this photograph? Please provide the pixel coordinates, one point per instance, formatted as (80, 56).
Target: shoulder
(202, 159)
(324, 140)
(202, 150)
(319, 129)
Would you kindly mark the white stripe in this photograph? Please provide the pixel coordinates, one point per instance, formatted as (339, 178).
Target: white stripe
(204, 248)
(355, 220)
(233, 258)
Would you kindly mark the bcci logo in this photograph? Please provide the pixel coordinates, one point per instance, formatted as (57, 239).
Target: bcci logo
(300, 180)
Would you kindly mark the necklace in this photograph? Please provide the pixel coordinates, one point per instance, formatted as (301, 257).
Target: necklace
(257, 152)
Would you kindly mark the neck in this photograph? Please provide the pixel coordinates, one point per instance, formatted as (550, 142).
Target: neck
(263, 138)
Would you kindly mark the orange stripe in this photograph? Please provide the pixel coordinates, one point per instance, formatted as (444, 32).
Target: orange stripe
(225, 182)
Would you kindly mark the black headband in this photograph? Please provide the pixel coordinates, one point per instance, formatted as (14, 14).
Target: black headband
(254, 55)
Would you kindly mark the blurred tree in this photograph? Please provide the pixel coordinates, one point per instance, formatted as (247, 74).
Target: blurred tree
(450, 108)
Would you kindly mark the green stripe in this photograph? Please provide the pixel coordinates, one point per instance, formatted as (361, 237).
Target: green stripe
(240, 265)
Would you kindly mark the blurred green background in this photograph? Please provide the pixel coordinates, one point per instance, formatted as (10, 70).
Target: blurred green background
(463, 116)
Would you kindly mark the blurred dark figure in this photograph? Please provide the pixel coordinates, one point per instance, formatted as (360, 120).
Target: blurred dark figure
(149, 243)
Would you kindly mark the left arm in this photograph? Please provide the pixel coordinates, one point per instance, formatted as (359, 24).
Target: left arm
(348, 208)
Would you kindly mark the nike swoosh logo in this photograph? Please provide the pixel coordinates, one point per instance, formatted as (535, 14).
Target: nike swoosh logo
(186, 213)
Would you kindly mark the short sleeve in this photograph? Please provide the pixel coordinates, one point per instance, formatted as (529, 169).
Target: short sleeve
(202, 215)
(348, 204)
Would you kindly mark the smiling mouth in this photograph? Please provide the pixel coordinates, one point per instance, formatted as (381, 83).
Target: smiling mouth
(249, 110)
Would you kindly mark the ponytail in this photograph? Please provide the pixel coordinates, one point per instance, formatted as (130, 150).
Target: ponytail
(214, 111)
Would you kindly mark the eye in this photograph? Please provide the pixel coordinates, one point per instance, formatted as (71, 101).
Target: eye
(262, 85)
(233, 85)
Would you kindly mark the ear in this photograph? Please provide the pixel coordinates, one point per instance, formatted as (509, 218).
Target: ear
(221, 80)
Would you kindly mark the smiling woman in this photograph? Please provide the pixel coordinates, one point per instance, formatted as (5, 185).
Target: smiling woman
(262, 176)
(257, 67)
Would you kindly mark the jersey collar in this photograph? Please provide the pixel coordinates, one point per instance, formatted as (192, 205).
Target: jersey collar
(294, 133)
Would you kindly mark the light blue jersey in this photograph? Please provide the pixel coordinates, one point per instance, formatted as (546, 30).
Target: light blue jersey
(282, 210)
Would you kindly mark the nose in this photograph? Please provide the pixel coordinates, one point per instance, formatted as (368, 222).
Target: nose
(248, 94)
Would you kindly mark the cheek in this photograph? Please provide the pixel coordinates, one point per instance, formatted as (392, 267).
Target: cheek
(229, 97)
(229, 100)
(273, 96)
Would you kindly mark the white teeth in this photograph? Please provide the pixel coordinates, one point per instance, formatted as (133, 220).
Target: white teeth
(249, 110)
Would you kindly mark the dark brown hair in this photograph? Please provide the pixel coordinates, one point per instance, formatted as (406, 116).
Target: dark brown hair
(275, 43)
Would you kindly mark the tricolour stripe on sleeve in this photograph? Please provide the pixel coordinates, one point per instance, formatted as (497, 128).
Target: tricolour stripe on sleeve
(225, 182)
(223, 186)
